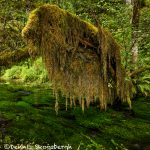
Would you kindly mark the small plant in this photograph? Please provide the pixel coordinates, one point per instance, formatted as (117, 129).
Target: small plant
(118, 146)
(95, 146)
(142, 85)
(13, 73)
(92, 146)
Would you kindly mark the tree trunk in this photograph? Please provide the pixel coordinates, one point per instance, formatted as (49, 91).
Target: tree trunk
(135, 26)
(127, 1)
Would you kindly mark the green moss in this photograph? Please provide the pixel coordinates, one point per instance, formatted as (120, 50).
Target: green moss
(42, 125)
(22, 105)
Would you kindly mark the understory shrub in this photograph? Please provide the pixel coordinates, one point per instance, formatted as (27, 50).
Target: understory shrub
(26, 72)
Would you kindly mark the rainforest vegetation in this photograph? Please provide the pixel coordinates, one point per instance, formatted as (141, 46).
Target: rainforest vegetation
(75, 74)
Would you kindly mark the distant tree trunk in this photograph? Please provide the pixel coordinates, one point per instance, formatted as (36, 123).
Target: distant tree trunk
(127, 1)
(137, 5)
(135, 26)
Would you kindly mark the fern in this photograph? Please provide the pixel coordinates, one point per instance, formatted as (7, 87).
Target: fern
(142, 85)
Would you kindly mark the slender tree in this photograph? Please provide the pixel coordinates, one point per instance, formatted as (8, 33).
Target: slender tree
(135, 28)
(137, 5)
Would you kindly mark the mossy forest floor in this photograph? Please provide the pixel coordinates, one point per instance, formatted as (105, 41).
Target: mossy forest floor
(27, 115)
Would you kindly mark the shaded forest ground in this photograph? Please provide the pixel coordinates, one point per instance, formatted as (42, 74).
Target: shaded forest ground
(28, 116)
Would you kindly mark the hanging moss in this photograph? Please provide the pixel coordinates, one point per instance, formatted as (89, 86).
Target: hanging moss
(82, 61)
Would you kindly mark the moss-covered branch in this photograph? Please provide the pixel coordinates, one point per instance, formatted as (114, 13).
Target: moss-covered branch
(138, 71)
(82, 61)
(9, 58)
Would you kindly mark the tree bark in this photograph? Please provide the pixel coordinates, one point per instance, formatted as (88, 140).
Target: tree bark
(127, 1)
(135, 27)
